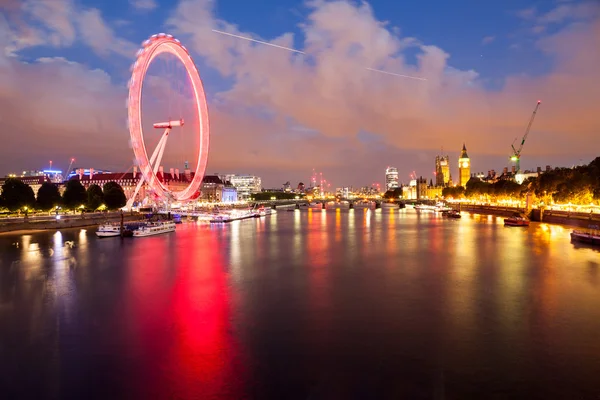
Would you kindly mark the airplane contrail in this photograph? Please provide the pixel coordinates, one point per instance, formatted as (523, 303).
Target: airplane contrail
(395, 74)
(259, 41)
(302, 52)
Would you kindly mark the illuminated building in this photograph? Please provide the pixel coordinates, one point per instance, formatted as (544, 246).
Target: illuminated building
(442, 171)
(216, 190)
(421, 188)
(129, 180)
(391, 178)
(464, 167)
(246, 185)
(410, 192)
(34, 181)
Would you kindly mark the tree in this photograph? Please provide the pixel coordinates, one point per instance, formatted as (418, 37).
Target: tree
(455, 192)
(74, 195)
(17, 195)
(95, 197)
(393, 194)
(277, 195)
(114, 196)
(48, 196)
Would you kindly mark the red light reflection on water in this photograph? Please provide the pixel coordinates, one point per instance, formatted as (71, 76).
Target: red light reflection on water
(180, 304)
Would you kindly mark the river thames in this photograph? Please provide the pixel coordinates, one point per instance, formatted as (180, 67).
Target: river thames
(303, 305)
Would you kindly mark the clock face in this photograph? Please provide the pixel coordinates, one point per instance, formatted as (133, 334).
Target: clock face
(465, 164)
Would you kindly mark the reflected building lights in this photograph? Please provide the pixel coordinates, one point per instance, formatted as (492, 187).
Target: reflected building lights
(58, 246)
(82, 237)
(236, 252)
(338, 225)
(351, 250)
(391, 242)
(273, 242)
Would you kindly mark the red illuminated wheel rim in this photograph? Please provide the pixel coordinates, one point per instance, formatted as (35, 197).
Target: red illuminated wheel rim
(154, 46)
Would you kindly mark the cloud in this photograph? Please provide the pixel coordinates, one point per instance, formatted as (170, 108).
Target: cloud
(56, 17)
(327, 89)
(57, 109)
(100, 37)
(144, 5)
(59, 23)
(570, 11)
(488, 40)
(286, 113)
(564, 12)
(527, 13)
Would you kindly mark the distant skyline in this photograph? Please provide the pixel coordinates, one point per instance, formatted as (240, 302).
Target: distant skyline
(64, 67)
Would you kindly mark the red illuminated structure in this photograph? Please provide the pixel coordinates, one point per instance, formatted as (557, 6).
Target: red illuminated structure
(153, 47)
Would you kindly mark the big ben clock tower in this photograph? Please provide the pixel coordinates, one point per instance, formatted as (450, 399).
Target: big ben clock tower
(464, 167)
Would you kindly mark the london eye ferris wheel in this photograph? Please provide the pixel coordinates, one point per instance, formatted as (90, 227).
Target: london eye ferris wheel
(166, 95)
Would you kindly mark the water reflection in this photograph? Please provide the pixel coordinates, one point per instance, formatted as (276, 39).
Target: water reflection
(312, 303)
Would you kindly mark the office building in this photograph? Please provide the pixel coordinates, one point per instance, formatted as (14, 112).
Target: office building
(391, 178)
(246, 185)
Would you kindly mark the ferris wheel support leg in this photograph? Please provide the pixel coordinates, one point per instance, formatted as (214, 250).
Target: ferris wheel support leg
(158, 152)
(132, 198)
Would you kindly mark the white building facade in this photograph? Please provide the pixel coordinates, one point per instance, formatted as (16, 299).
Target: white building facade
(391, 178)
(246, 185)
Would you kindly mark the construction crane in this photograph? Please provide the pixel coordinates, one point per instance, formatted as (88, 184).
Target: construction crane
(516, 157)
(69, 169)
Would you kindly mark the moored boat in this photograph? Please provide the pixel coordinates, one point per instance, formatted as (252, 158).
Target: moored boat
(109, 230)
(441, 207)
(154, 228)
(262, 211)
(233, 216)
(452, 214)
(591, 236)
(389, 206)
(425, 207)
(516, 220)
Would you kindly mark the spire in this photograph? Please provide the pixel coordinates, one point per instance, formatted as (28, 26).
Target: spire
(463, 153)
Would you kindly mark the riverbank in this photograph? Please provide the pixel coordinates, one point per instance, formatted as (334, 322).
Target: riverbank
(575, 219)
(73, 222)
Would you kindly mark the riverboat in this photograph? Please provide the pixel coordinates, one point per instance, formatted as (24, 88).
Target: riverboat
(109, 230)
(425, 208)
(452, 214)
(389, 206)
(516, 220)
(154, 228)
(262, 211)
(442, 208)
(592, 236)
(234, 216)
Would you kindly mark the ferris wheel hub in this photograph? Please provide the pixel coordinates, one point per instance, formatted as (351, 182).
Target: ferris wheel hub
(168, 124)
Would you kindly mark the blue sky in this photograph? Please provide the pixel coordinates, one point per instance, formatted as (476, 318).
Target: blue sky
(502, 56)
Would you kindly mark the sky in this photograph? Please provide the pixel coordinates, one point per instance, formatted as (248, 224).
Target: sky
(65, 64)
